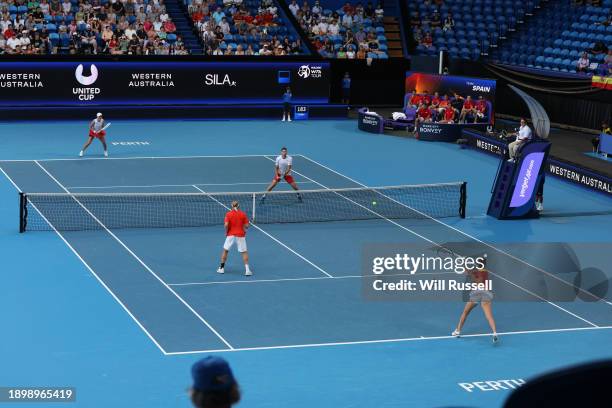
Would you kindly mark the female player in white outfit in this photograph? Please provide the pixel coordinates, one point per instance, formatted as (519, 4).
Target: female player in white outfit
(96, 130)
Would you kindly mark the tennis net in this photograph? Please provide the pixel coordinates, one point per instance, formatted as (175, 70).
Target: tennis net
(90, 211)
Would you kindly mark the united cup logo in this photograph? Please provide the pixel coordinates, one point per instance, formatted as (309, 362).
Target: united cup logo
(87, 93)
(86, 80)
(304, 71)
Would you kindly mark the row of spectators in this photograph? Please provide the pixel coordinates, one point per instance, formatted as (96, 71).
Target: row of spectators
(237, 28)
(354, 31)
(87, 27)
(445, 109)
(422, 26)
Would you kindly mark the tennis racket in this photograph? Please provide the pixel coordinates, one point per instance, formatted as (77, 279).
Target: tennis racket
(105, 126)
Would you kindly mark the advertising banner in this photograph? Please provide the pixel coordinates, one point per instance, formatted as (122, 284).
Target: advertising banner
(160, 83)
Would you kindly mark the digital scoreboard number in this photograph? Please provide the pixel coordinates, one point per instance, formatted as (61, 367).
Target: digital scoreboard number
(300, 112)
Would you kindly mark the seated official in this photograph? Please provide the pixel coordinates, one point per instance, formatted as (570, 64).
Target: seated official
(423, 113)
(522, 137)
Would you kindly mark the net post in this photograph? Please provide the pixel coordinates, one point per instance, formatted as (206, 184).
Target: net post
(463, 199)
(22, 212)
(253, 212)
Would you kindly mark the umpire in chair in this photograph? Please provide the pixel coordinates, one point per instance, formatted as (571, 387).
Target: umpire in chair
(523, 135)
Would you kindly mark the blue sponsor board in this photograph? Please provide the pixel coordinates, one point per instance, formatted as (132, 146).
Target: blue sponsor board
(370, 122)
(96, 83)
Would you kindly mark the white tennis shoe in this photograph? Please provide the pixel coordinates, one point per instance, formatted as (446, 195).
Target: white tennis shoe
(248, 273)
(220, 270)
(81, 153)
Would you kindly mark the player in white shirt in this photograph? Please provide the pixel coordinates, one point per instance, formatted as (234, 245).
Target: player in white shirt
(522, 136)
(282, 170)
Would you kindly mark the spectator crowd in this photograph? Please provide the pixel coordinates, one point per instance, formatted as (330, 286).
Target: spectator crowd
(242, 27)
(88, 27)
(353, 31)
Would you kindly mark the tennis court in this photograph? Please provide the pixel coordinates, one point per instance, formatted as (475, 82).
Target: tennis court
(306, 292)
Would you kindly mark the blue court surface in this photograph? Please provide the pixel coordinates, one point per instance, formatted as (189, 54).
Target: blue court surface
(121, 314)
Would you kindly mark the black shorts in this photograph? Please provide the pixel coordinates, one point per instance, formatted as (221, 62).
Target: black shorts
(287, 107)
(346, 93)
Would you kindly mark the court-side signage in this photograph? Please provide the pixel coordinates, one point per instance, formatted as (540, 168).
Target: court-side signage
(554, 167)
(370, 122)
(526, 179)
(159, 83)
(579, 176)
(492, 385)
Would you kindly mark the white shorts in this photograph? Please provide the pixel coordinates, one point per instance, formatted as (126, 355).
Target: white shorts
(240, 243)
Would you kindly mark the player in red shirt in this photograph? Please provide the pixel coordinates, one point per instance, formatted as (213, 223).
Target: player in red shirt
(484, 297)
(426, 99)
(415, 100)
(435, 106)
(468, 108)
(480, 109)
(435, 101)
(236, 223)
(444, 103)
(424, 114)
(449, 115)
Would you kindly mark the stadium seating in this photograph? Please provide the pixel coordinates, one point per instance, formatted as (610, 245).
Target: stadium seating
(254, 27)
(348, 41)
(478, 24)
(557, 36)
(74, 27)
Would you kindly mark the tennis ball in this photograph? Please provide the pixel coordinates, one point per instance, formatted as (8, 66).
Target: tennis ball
(373, 202)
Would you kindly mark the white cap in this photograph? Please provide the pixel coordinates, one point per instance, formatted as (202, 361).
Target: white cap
(98, 114)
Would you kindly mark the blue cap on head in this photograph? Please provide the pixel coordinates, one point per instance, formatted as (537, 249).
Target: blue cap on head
(212, 374)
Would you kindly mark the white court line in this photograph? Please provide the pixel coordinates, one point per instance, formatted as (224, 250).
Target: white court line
(304, 279)
(91, 270)
(403, 340)
(175, 185)
(469, 236)
(135, 158)
(441, 246)
(271, 236)
(210, 327)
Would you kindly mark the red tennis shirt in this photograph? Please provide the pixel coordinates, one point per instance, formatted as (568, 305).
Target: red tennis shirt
(236, 221)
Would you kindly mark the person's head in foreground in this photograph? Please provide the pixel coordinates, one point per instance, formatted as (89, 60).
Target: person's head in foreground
(214, 385)
(523, 122)
(284, 152)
